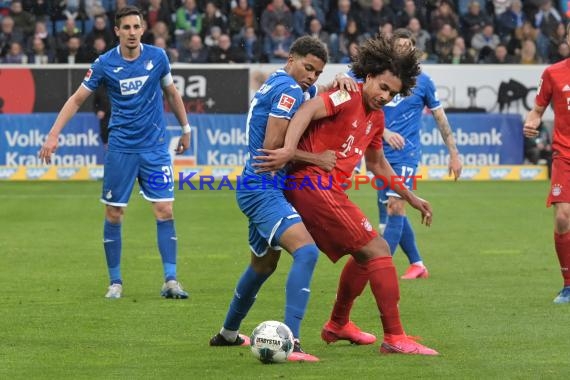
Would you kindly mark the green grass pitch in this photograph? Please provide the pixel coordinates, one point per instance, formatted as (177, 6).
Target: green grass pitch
(487, 306)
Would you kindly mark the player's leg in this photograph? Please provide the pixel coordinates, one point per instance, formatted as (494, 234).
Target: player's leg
(375, 256)
(562, 245)
(382, 200)
(157, 186)
(118, 181)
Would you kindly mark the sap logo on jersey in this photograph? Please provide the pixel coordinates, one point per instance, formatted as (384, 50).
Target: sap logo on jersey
(132, 85)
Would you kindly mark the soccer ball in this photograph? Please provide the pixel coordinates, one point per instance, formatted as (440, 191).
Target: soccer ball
(272, 342)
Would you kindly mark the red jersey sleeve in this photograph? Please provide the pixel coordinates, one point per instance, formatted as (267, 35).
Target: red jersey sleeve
(544, 91)
(335, 100)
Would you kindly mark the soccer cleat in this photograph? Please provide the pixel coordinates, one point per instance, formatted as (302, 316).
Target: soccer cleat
(114, 291)
(298, 355)
(415, 271)
(332, 332)
(563, 296)
(403, 344)
(173, 289)
(218, 340)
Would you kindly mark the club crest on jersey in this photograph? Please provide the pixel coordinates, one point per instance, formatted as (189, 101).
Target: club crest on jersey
(132, 85)
(339, 97)
(366, 224)
(556, 190)
(368, 127)
(286, 102)
(148, 65)
(88, 75)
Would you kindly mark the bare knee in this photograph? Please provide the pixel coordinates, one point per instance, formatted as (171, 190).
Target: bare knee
(114, 214)
(163, 210)
(377, 247)
(396, 206)
(267, 263)
(562, 218)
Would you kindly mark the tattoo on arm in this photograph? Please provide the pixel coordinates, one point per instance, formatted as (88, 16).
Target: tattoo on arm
(445, 130)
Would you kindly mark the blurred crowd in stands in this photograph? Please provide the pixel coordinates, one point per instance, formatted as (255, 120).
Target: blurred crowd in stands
(239, 31)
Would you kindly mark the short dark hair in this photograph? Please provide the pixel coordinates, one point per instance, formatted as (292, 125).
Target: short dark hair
(129, 10)
(377, 55)
(306, 45)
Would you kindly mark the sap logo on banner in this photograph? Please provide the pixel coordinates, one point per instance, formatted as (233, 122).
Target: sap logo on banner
(96, 173)
(437, 173)
(530, 173)
(499, 173)
(7, 173)
(469, 173)
(132, 85)
(221, 172)
(35, 173)
(66, 173)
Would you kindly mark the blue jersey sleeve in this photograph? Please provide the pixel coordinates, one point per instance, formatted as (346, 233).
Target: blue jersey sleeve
(285, 101)
(430, 97)
(94, 76)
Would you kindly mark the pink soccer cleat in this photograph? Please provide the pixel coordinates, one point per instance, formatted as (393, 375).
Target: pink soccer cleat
(332, 332)
(415, 271)
(403, 344)
(298, 355)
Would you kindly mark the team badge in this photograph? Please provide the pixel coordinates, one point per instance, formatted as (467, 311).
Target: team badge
(109, 195)
(368, 127)
(556, 190)
(366, 224)
(286, 102)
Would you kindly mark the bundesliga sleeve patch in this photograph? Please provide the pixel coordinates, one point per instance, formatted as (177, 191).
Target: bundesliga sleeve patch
(286, 102)
(339, 97)
(88, 75)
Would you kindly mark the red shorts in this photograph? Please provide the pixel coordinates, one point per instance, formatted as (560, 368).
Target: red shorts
(560, 182)
(336, 224)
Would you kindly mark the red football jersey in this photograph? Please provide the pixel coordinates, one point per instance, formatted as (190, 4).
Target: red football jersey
(555, 86)
(348, 130)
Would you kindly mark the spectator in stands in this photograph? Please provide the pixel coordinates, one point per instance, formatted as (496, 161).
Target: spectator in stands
(39, 53)
(352, 50)
(252, 46)
(158, 10)
(408, 12)
(352, 33)
(526, 32)
(69, 31)
(304, 15)
(93, 8)
(188, 18)
(501, 6)
(444, 40)
(316, 31)
(213, 17)
(100, 29)
(160, 30)
(337, 26)
(171, 53)
(485, 42)
(40, 9)
(511, 19)
(8, 35)
(23, 20)
(193, 50)
(559, 37)
(72, 53)
(41, 32)
(375, 16)
(212, 38)
(444, 14)
(422, 37)
(15, 54)
(561, 53)
(460, 54)
(546, 21)
(69, 9)
(224, 52)
(529, 54)
(241, 17)
(91, 52)
(473, 21)
(277, 44)
(500, 56)
(276, 13)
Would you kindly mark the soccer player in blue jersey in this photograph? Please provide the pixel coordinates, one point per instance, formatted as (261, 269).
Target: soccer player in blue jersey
(136, 75)
(403, 151)
(273, 222)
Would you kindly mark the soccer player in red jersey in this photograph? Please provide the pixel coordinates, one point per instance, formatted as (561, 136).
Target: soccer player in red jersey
(554, 86)
(351, 124)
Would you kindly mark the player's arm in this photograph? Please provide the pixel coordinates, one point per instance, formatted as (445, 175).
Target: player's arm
(177, 106)
(442, 122)
(276, 159)
(394, 139)
(379, 166)
(532, 121)
(341, 81)
(68, 110)
(325, 160)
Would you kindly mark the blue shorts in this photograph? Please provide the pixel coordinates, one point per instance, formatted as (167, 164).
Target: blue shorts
(407, 174)
(153, 170)
(269, 214)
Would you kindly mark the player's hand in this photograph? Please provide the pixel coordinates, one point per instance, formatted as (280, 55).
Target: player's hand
(530, 127)
(424, 207)
(345, 83)
(395, 140)
(183, 143)
(48, 149)
(327, 160)
(273, 159)
(455, 167)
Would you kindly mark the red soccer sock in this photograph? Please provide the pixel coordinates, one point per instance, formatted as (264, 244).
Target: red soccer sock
(562, 245)
(384, 284)
(352, 282)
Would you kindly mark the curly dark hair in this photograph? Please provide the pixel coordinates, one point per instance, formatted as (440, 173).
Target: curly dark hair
(306, 45)
(377, 55)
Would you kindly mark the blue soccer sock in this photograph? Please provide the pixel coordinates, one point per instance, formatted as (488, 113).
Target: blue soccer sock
(244, 296)
(382, 212)
(167, 246)
(113, 246)
(408, 242)
(298, 285)
(393, 231)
